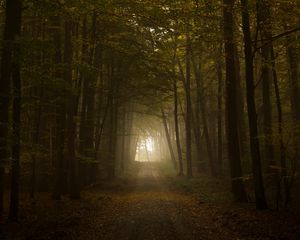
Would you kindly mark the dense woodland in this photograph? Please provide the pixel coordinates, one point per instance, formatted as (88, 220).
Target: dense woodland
(212, 87)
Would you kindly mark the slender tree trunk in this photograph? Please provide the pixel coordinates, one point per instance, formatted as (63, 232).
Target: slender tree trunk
(176, 120)
(220, 114)
(102, 106)
(203, 113)
(111, 160)
(188, 108)
(240, 104)
(238, 190)
(11, 25)
(177, 135)
(197, 129)
(254, 140)
(113, 118)
(264, 18)
(94, 61)
(195, 122)
(83, 112)
(283, 166)
(130, 143)
(101, 128)
(168, 137)
(35, 142)
(60, 117)
(123, 156)
(16, 118)
(293, 60)
(71, 111)
(116, 118)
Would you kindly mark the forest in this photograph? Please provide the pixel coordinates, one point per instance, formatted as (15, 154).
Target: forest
(150, 119)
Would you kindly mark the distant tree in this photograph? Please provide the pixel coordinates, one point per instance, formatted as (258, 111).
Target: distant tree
(188, 103)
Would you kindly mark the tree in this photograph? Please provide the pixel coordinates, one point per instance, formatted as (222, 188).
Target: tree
(10, 71)
(220, 108)
(264, 24)
(252, 117)
(169, 141)
(176, 123)
(238, 190)
(60, 114)
(188, 107)
(71, 112)
(16, 118)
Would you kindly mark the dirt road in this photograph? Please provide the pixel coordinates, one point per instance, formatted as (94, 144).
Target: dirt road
(145, 208)
(155, 212)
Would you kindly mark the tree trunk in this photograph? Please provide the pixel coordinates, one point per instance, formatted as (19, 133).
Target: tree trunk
(83, 110)
(220, 114)
(168, 137)
(60, 117)
(12, 20)
(35, 142)
(265, 26)
(293, 60)
(195, 122)
(16, 118)
(123, 141)
(188, 108)
(283, 167)
(176, 123)
(130, 143)
(202, 107)
(231, 106)
(240, 104)
(113, 118)
(71, 111)
(254, 140)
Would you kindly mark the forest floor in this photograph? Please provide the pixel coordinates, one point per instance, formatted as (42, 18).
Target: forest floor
(146, 207)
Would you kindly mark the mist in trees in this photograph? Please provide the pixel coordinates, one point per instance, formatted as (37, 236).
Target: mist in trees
(89, 90)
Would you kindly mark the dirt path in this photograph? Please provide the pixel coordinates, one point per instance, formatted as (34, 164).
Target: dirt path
(145, 209)
(155, 212)
(150, 210)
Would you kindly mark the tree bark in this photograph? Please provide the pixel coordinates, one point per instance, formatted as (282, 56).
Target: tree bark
(60, 117)
(252, 118)
(16, 118)
(293, 60)
(231, 106)
(71, 113)
(123, 141)
(283, 166)
(264, 16)
(240, 104)
(83, 109)
(176, 123)
(188, 108)
(11, 25)
(202, 106)
(168, 137)
(220, 114)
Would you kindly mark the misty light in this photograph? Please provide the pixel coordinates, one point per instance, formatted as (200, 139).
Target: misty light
(149, 144)
(145, 151)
